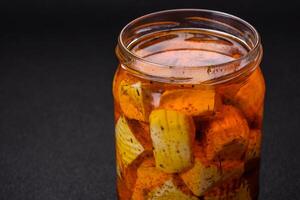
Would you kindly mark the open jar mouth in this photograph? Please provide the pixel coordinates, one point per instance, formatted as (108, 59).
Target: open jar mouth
(209, 20)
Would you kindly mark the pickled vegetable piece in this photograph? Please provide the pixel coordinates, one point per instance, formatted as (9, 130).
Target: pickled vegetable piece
(135, 101)
(127, 145)
(172, 135)
(257, 122)
(254, 146)
(226, 136)
(141, 131)
(243, 192)
(234, 189)
(148, 178)
(153, 184)
(232, 169)
(202, 176)
(193, 102)
(169, 191)
(123, 192)
(226, 191)
(250, 96)
(117, 112)
(126, 173)
(126, 149)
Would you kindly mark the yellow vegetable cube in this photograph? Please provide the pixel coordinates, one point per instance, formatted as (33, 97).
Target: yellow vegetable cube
(128, 147)
(172, 135)
(205, 175)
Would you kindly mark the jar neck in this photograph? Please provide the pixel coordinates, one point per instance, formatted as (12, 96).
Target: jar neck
(194, 19)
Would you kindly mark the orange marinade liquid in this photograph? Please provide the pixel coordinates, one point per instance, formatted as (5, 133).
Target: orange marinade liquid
(191, 48)
(188, 48)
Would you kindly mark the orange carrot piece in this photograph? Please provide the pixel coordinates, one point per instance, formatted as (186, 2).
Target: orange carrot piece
(148, 178)
(232, 169)
(234, 189)
(226, 190)
(226, 137)
(194, 102)
(141, 131)
(254, 146)
(250, 96)
(247, 95)
(123, 192)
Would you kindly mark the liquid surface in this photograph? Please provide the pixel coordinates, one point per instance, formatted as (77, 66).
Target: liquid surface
(188, 48)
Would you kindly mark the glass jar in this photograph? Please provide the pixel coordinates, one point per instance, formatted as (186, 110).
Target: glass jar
(189, 97)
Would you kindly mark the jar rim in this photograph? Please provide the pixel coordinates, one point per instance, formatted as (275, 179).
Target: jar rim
(254, 52)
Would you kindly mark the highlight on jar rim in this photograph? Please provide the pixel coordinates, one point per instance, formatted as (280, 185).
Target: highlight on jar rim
(189, 100)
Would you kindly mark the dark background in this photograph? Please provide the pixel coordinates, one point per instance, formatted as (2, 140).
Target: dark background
(56, 111)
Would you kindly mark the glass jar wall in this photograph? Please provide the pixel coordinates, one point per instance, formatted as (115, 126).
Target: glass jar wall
(189, 97)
